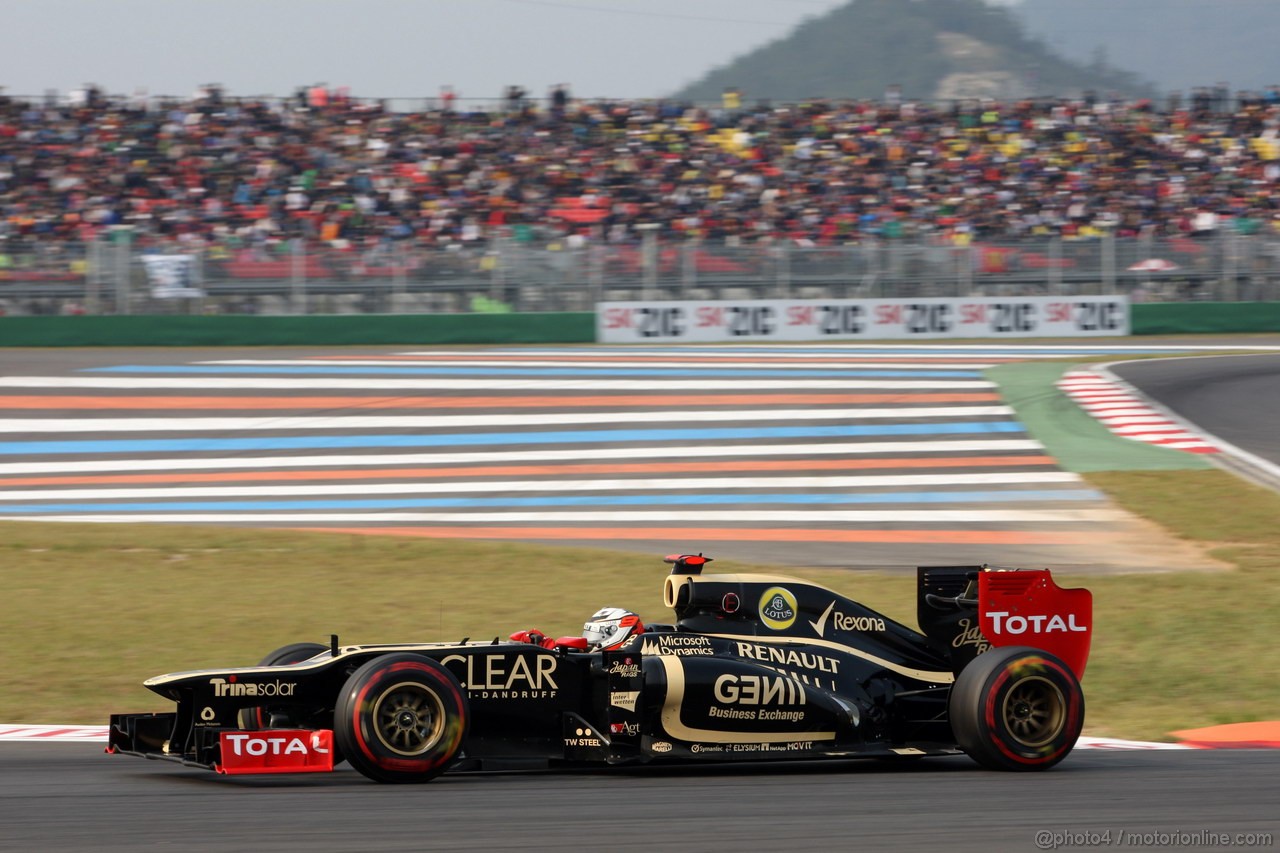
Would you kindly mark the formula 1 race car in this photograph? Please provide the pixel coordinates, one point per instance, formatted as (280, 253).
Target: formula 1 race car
(754, 667)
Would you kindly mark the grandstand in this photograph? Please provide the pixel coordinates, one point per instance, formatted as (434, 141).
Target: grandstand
(332, 203)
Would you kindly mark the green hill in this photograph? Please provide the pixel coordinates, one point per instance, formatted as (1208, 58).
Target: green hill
(930, 49)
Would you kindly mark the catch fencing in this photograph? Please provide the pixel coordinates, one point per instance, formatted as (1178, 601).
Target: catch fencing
(118, 276)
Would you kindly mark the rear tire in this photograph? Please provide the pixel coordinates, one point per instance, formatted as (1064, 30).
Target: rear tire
(401, 718)
(1016, 708)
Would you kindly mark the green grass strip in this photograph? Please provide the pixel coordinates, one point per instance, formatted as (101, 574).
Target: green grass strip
(1071, 435)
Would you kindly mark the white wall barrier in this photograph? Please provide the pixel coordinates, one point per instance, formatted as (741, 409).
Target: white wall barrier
(862, 319)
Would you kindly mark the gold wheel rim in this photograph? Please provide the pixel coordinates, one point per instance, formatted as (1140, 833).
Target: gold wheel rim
(408, 719)
(1034, 711)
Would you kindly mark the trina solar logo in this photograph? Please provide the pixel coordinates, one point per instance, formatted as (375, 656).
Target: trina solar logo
(231, 687)
(778, 608)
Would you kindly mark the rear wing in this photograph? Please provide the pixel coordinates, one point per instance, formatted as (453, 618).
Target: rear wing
(969, 609)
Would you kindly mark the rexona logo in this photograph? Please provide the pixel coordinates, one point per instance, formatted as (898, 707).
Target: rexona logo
(778, 608)
(844, 622)
(231, 687)
(1003, 622)
(507, 676)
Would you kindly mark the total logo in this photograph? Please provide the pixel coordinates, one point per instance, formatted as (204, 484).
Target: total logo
(1003, 622)
(258, 744)
(778, 608)
(844, 622)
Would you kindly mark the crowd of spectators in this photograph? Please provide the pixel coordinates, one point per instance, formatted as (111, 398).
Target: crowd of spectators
(247, 173)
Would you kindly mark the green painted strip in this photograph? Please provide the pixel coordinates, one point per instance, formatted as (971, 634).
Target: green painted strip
(327, 329)
(1072, 436)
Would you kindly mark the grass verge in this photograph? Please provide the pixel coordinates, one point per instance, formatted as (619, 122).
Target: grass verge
(90, 610)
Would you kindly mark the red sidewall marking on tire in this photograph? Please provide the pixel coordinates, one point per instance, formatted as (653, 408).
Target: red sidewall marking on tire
(989, 712)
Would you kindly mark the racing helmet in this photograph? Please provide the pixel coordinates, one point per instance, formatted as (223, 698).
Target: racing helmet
(610, 627)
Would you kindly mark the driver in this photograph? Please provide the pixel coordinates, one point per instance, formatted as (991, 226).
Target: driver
(608, 628)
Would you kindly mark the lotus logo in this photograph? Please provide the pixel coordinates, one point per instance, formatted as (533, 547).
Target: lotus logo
(778, 608)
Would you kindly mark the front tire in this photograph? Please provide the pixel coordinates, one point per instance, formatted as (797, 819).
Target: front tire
(256, 719)
(401, 718)
(1016, 708)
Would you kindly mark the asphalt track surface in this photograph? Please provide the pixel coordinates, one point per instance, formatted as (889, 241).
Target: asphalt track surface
(1235, 398)
(72, 797)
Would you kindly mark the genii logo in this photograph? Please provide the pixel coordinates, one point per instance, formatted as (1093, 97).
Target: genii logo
(778, 608)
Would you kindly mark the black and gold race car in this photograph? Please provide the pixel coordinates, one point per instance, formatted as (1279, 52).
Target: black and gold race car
(753, 668)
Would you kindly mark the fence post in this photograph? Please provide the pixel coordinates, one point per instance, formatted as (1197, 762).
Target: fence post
(1230, 286)
(649, 259)
(398, 277)
(784, 269)
(688, 265)
(122, 258)
(1109, 263)
(595, 273)
(297, 277)
(1055, 265)
(93, 275)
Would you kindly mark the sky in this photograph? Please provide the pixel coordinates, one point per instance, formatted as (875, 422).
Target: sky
(383, 48)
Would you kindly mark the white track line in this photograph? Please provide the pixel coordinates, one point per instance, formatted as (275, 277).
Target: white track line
(188, 383)
(809, 363)
(506, 419)
(435, 487)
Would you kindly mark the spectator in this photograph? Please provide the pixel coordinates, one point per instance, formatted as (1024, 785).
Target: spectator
(250, 175)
